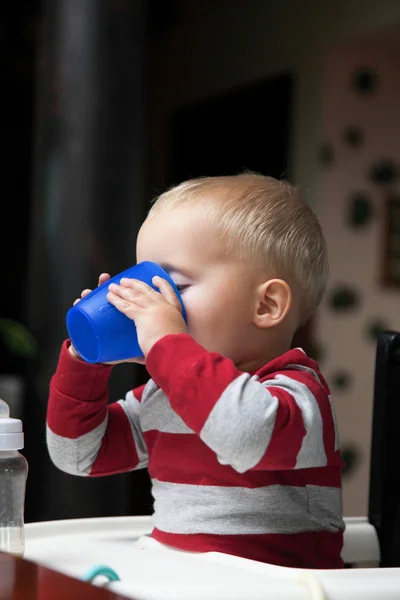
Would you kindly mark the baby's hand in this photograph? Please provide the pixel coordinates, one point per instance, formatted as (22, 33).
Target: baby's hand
(102, 279)
(155, 314)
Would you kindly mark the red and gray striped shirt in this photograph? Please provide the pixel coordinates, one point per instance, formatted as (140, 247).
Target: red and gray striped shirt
(242, 463)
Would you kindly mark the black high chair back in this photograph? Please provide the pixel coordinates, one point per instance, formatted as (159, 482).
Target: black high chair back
(384, 487)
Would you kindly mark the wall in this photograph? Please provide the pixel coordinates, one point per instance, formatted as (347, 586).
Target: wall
(356, 251)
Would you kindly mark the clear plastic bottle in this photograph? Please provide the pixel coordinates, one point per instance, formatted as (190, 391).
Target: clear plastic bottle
(13, 474)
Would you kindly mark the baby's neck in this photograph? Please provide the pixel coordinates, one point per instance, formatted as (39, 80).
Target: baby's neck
(253, 364)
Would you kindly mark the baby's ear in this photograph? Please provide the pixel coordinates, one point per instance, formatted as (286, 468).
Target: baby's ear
(274, 299)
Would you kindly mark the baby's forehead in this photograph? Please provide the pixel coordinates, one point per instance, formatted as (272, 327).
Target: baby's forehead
(181, 229)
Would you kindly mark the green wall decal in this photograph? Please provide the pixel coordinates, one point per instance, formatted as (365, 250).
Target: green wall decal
(341, 380)
(351, 457)
(375, 327)
(360, 210)
(365, 80)
(384, 172)
(354, 137)
(316, 351)
(326, 154)
(343, 299)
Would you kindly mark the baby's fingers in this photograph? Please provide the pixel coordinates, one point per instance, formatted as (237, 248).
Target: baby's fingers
(167, 291)
(83, 294)
(103, 278)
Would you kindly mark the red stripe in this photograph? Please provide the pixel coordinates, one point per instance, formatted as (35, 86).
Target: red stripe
(184, 458)
(78, 396)
(80, 380)
(287, 436)
(118, 451)
(72, 418)
(138, 392)
(311, 550)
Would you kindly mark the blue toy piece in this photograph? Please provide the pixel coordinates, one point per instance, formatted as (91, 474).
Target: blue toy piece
(99, 570)
(101, 333)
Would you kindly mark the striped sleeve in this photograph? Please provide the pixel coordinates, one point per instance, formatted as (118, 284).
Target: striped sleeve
(85, 435)
(280, 423)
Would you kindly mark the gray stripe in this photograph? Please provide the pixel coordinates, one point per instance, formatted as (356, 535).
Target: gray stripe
(156, 412)
(241, 423)
(312, 451)
(305, 370)
(191, 509)
(131, 407)
(331, 508)
(75, 456)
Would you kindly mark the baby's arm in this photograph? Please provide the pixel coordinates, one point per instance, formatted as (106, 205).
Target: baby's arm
(85, 435)
(284, 422)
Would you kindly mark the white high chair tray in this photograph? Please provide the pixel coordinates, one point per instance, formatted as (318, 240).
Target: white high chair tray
(151, 571)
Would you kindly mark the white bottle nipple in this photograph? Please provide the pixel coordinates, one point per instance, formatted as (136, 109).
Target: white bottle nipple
(4, 410)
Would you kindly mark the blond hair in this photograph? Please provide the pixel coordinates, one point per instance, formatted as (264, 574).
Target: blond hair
(266, 221)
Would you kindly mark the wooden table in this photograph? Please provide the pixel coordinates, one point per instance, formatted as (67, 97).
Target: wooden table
(24, 580)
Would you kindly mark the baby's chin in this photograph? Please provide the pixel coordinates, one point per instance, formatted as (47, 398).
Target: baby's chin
(139, 361)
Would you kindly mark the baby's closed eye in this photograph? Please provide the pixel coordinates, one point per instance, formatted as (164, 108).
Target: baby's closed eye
(181, 287)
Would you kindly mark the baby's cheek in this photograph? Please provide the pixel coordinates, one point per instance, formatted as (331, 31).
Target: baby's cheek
(205, 312)
(199, 324)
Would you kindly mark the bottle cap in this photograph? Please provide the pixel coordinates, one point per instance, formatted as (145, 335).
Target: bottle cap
(11, 434)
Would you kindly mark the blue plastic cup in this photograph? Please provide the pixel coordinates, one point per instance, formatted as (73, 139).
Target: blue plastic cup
(101, 333)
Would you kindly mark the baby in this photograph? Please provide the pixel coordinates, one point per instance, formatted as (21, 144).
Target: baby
(236, 428)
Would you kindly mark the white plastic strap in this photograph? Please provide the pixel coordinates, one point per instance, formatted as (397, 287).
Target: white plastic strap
(313, 585)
